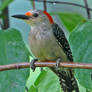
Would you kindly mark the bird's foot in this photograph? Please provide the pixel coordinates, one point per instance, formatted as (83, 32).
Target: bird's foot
(57, 64)
(32, 64)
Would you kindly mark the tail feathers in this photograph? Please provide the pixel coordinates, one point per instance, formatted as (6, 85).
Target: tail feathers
(68, 81)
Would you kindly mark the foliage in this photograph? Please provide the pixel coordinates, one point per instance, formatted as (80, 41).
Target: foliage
(46, 81)
(12, 50)
(70, 20)
(4, 4)
(81, 45)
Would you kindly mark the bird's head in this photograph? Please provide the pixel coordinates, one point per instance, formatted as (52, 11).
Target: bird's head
(35, 17)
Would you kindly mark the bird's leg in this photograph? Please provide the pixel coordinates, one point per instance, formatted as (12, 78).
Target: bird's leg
(57, 64)
(32, 64)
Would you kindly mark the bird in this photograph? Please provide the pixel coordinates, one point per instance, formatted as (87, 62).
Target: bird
(48, 42)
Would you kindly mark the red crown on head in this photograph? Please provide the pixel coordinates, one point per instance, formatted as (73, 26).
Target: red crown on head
(49, 17)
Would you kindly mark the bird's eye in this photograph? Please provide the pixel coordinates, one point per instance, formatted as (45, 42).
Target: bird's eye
(35, 15)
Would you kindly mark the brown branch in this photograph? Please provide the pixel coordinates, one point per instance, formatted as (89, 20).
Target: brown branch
(67, 3)
(45, 6)
(45, 64)
(33, 4)
(88, 11)
(6, 18)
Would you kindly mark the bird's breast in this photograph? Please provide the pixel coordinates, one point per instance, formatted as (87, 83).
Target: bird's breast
(44, 46)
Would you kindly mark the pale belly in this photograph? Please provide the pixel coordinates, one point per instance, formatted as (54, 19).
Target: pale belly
(44, 47)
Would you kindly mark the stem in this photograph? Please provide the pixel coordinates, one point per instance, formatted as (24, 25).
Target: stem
(33, 3)
(88, 11)
(6, 18)
(45, 64)
(45, 6)
(68, 3)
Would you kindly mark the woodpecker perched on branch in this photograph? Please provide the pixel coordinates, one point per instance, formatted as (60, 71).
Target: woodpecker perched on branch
(48, 42)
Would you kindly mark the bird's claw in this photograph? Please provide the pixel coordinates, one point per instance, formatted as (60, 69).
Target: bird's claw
(58, 63)
(32, 64)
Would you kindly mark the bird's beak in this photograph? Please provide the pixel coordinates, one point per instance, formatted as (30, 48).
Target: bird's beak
(21, 17)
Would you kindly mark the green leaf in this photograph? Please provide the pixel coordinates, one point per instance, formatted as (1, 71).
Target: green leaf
(32, 89)
(33, 77)
(70, 20)
(12, 50)
(47, 81)
(81, 45)
(4, 4)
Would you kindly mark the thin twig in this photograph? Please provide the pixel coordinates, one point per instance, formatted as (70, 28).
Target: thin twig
(33, 3)
(88, 11)
(45, 6)
(45, 64)
(67, 3)
(6, 18)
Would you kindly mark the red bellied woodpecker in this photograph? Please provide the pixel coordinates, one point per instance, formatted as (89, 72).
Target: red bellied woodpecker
(48, 42)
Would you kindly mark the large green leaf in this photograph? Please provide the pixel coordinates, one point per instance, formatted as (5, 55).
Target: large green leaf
(46, 81)
(70, 20)
(81, 45)
(12, 50)
(4, 4)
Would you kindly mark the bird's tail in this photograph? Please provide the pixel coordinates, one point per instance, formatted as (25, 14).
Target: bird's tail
(67, 80)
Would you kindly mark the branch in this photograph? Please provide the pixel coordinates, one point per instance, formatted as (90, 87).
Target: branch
(88, 11)
(6, 18)
(45, 64)
(67, 3)
(45, 6)
(33, 4)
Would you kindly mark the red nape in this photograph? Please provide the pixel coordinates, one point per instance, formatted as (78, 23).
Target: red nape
(49, 17)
